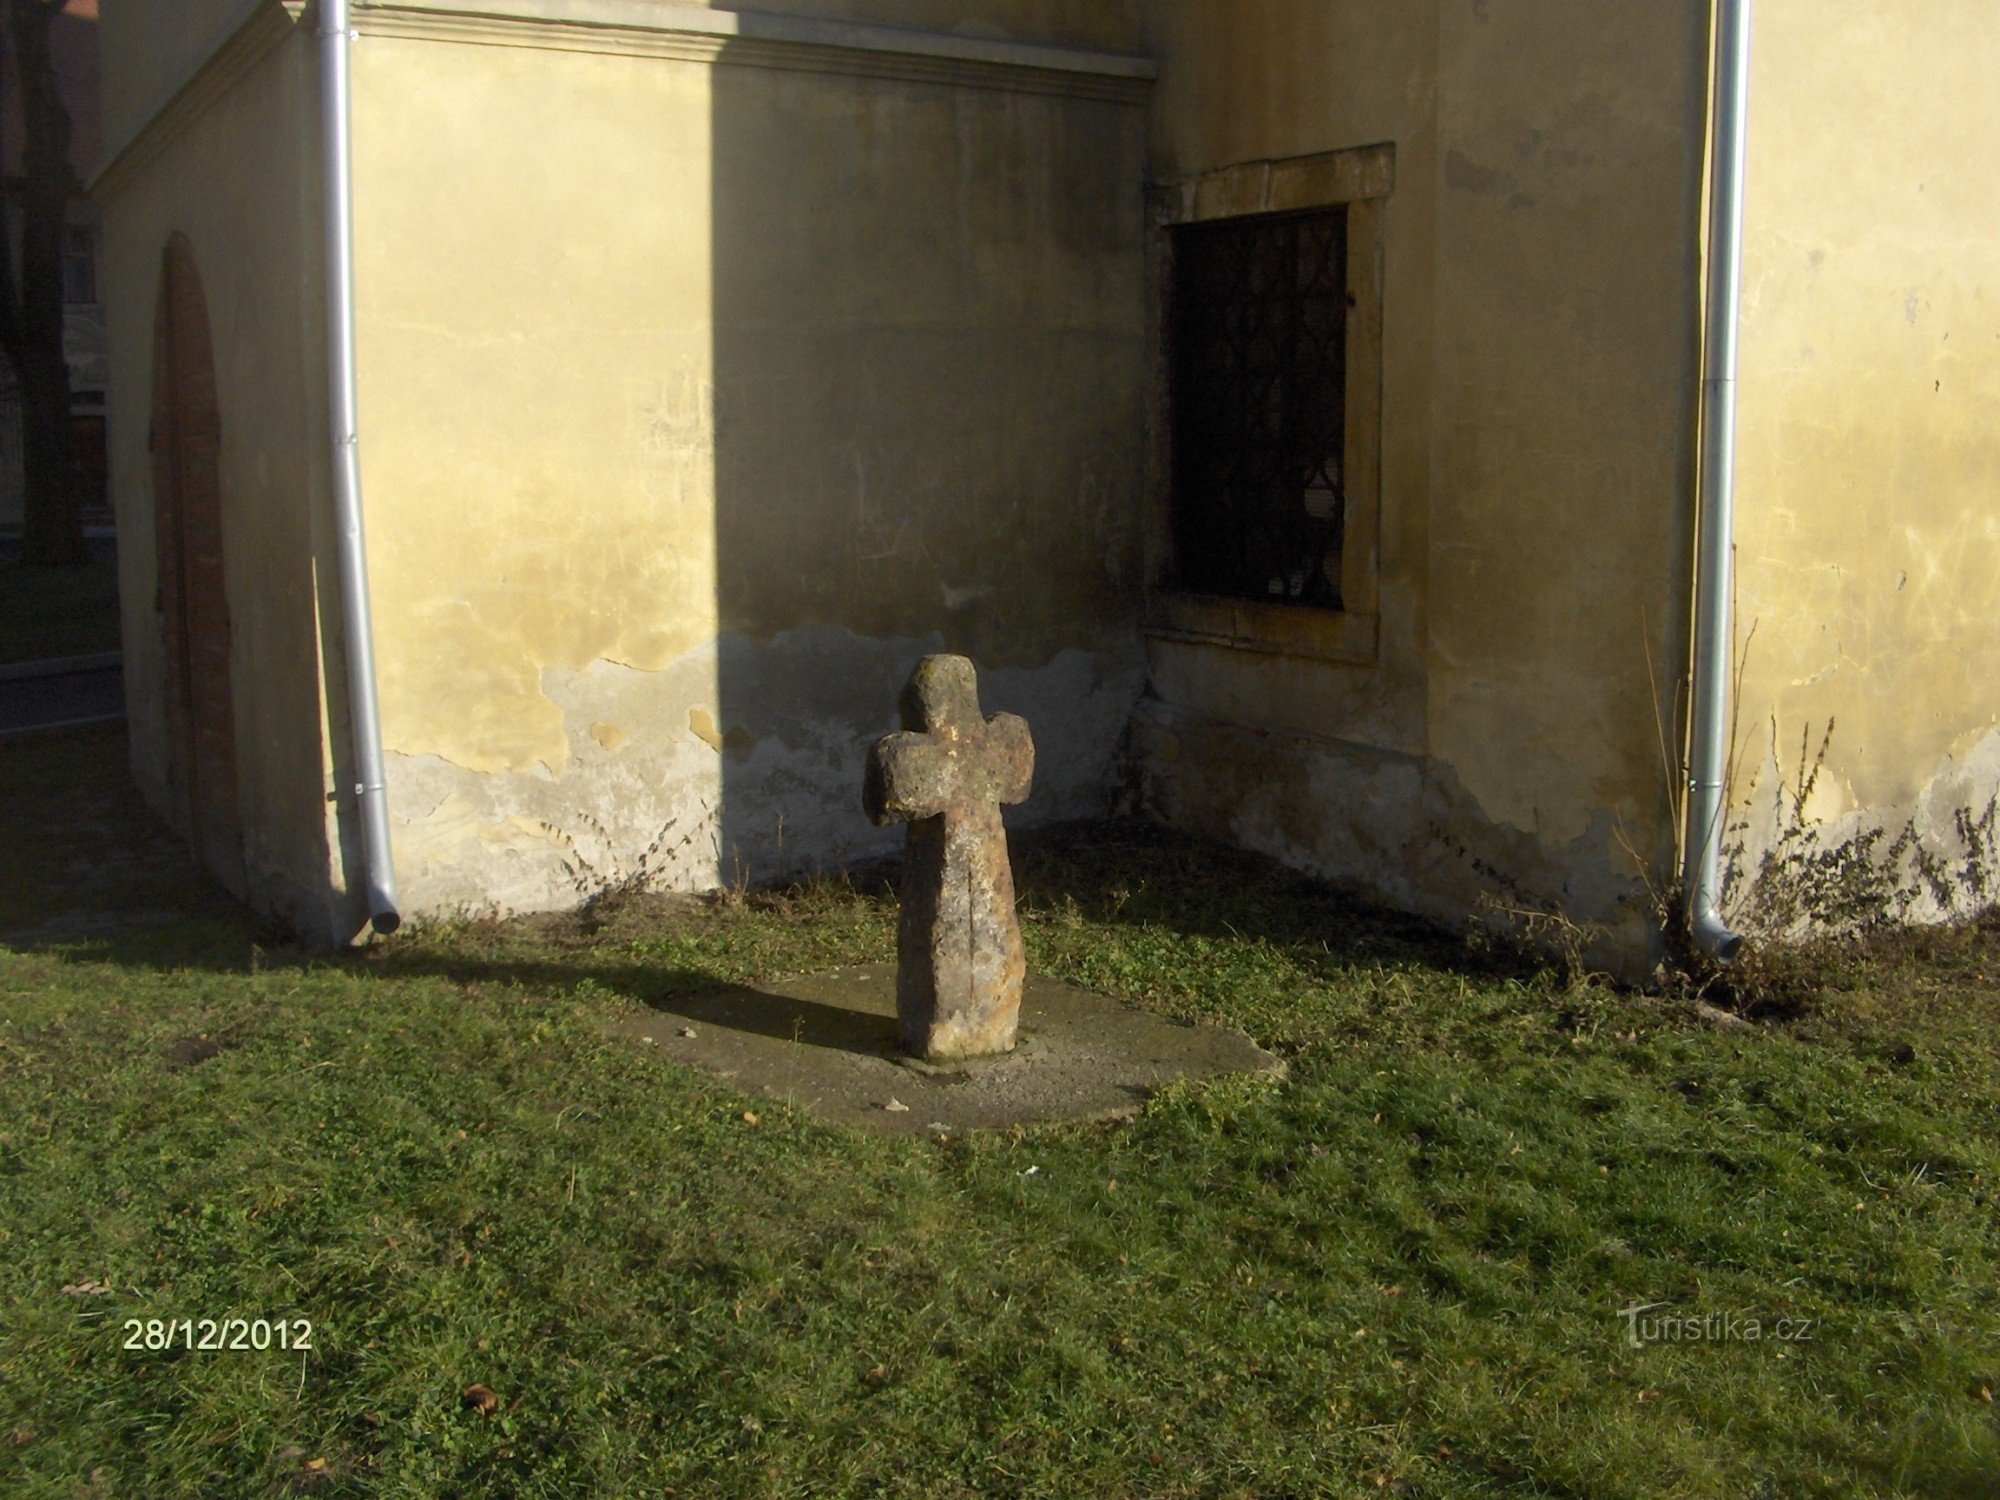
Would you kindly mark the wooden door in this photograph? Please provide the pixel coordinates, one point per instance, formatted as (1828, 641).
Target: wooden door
(193, 599)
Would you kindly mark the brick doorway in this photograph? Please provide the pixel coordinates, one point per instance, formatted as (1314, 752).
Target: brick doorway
(193, 599)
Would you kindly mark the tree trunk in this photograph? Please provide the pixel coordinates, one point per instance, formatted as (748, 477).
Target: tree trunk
(51, 517)
(31, 322)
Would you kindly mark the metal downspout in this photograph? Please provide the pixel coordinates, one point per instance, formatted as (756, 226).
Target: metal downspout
(1708, 747)
(364, 712)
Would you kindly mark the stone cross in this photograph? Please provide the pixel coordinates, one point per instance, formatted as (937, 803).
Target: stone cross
(958, 950)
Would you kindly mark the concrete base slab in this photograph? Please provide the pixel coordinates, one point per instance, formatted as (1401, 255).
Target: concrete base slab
(827, 1044)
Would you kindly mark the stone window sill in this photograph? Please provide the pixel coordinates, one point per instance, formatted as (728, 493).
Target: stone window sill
(1273, 629)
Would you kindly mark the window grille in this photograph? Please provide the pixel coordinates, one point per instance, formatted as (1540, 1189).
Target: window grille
(1259, 351)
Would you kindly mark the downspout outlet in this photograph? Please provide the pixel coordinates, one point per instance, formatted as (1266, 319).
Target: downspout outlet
(1714, 936)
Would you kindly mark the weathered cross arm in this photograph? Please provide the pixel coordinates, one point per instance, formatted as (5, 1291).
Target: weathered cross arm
(1007, 759)
(908, 777)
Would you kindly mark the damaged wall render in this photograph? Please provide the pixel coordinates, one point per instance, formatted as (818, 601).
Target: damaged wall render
(661, 787)
(1502, 742)
(769, 350)
(703, 398)
(1868, 537)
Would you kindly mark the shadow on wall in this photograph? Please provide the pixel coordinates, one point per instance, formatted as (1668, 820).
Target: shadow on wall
(222, 693)
(928, 310)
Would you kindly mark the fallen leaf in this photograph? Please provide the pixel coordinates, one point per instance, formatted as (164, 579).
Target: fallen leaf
(316, 1465)
(897, 1107)
(749, 1118)
(480, 1398)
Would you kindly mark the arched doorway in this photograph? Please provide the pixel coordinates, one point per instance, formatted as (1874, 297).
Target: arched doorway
(193, 601)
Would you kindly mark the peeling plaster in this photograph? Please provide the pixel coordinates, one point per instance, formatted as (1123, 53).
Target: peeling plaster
(1966, 781)
(737, 762)
(1402, 828)
(701, 724)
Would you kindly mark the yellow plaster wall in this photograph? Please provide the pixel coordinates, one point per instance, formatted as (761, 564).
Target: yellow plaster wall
(241, 183)
(537, 392)
(1539, 336)
(697, 401)
(929, 318)
(1566, 382)
(1868, 533)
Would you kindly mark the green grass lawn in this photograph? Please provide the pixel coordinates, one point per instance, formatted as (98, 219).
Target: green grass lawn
(1399, 1271)
(48, 612)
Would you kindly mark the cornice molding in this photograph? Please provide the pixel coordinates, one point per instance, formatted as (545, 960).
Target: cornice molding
(639, 28)
(238, 45)
(694, 33)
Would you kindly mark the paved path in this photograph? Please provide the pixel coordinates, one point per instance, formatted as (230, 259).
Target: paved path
(49, 695)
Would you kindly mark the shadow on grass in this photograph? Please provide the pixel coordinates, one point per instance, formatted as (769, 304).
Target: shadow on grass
(87, 870)
(1131, 873)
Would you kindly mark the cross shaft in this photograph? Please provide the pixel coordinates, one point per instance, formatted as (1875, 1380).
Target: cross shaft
(959, 958)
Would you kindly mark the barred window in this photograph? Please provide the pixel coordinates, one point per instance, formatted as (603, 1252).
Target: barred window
(1258, 327)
